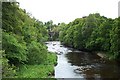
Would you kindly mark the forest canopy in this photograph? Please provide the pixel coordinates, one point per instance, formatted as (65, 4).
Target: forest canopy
(93, 33)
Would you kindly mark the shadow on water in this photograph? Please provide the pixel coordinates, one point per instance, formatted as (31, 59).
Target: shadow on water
(78, 64)
(92, 66)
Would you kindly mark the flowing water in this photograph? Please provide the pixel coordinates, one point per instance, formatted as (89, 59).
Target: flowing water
(77, 64)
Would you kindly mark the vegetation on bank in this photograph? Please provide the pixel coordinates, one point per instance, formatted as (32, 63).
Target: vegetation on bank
(24, 53)
(93, 33)
(44, 70)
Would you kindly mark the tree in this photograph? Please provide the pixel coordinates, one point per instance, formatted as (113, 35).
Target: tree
(93, 32)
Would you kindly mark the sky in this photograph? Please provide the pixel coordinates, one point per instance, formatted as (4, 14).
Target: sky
(68, 10)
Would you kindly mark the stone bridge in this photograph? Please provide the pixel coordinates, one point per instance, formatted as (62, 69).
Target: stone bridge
(51, 34)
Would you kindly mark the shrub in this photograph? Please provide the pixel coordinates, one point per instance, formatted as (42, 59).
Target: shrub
(36, 53)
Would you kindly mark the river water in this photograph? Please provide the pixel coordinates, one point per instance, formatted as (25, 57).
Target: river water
(77, 64)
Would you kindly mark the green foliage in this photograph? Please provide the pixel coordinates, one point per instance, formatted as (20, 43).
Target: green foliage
(51, 59)
(62, 33)
(114, 40)
(29, 79)
(23, 40)
(7, 70)
(11, 17)
(15, 51)
(93, 32)
(37, 53)
(35, 71)
(39, 71)
(40, 28)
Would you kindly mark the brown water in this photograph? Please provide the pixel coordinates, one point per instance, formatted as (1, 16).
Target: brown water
(84, 65)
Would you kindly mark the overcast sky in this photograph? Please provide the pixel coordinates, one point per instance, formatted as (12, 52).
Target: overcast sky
(68, 10)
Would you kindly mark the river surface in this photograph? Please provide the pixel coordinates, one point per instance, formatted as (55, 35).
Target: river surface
(78, 64)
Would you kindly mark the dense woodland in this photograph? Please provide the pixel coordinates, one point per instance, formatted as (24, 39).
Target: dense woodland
(23, 49)
(93, 33)
(23, 36)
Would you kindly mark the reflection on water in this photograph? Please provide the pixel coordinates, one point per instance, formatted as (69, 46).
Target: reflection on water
(92, 66)
(78, 64)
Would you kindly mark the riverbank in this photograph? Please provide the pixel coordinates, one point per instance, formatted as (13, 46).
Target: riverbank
(45, 70)
(74, 63)
(106, 56)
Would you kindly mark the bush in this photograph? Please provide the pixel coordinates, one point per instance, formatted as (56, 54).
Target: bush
(7, 70)
(36, 53)
(15, 51)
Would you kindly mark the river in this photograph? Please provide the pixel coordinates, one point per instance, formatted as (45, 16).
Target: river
(78, 64)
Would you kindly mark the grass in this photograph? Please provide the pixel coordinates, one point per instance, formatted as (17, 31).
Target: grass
(36, 71)
(51, 58)
(45, 70)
